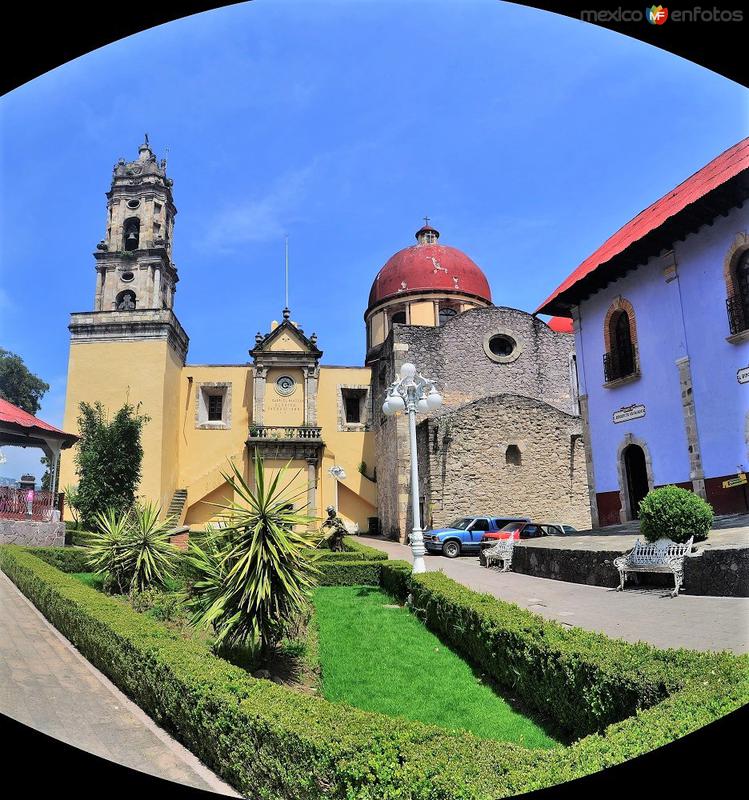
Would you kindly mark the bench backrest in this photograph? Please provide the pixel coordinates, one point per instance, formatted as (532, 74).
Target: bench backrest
(657, 552)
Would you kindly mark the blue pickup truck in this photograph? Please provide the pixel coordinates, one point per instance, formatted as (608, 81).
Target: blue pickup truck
(464, 534)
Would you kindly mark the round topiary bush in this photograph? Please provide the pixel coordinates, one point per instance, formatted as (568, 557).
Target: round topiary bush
(674, 513)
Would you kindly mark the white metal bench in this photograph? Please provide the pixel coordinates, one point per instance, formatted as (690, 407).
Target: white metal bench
(660, 556)
(501, 551)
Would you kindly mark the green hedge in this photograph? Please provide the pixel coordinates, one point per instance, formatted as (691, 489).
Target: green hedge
(264, 739)
(66, 559)
(395, 578)
(352, 544)
(272, 742)
(581, 680)
(349, 573)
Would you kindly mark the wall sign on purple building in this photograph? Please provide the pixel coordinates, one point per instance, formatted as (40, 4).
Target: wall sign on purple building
(742, 375)
(627, 413)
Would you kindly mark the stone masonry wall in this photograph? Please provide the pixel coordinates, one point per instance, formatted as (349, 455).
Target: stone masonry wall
(32, 534)
(455, 355)
(468, 470)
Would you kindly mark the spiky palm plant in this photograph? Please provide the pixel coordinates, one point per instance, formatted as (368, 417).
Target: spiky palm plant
(148, 556)
(255, 575)
(105, 548)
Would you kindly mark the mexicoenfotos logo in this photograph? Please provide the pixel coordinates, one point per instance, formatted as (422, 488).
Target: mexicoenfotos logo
(656, 15)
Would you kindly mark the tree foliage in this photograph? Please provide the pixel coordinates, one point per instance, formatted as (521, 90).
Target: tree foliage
(108, 460)
(18, 385)
(254, 576)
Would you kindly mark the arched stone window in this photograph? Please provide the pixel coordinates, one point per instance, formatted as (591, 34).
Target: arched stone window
(513, 456)
(131, 233)
(126, 301)
(736, 273)
(620, 340)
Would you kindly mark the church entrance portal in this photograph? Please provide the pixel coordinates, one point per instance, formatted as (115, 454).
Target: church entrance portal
(637, 477)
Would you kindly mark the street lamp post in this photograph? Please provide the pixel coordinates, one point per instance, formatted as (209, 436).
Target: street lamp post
(411, 393)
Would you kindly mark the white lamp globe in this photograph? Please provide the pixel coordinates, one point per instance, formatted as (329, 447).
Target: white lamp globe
(395, 402)
(386, 408)
(422, 405)
(434, 399)
(408, 370)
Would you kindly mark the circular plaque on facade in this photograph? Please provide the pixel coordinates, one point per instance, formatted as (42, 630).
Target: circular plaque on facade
(285, 385)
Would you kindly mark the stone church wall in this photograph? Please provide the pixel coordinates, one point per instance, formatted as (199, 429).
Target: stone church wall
(465, 468)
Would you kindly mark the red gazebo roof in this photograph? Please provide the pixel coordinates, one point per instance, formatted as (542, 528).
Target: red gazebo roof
(14, 417)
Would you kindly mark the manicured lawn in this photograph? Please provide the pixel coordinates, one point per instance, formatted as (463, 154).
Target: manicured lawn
(381, 658)
(90, 579)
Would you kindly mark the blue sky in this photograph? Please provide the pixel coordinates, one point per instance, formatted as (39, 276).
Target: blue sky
(527, 137)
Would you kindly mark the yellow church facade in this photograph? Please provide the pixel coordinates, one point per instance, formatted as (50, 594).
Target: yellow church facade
(283, 404)
(429, 303)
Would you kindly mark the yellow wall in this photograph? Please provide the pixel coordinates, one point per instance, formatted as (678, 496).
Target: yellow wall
(204, 453)
(279, 410)
(345, 448)
(143, 373)
(422, 313)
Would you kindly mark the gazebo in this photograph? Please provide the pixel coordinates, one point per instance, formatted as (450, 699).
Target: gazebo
(26, 514)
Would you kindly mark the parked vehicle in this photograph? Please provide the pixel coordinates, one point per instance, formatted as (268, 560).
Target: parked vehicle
(558, 528)
(523, 529)
(464, 535)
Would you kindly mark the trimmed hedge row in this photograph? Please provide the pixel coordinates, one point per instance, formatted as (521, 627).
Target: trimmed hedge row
(395, 578)
(275, 743)
(66, 559)
(582, 680)
(264, 739)
(349, 573)
(353, 545)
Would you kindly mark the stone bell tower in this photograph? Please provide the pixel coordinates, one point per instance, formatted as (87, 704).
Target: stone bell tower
(131, 347)
(134, 268)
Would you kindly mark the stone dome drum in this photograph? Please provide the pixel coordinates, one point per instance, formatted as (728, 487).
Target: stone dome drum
(429, 267)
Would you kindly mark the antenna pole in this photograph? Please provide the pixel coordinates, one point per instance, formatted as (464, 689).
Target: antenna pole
(286, 304)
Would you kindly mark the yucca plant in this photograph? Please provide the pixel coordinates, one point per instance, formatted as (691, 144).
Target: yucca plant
(106, 545)
(255, 576)
(132, 548)
(148, 556)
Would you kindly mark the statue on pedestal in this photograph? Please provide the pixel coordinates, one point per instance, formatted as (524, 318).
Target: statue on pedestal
(337, 530)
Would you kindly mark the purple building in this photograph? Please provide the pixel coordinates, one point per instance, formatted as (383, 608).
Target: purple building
(661, 321)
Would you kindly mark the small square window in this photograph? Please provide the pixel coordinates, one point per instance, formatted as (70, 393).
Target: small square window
(215, 407)
(353, 408)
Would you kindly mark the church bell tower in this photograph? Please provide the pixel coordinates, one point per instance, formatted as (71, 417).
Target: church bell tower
(134, 268)
(131, 347)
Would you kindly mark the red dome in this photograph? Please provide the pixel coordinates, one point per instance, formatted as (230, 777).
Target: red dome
(429, 267)
(560, 324)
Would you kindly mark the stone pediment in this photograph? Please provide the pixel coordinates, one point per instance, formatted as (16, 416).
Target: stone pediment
(286, 341)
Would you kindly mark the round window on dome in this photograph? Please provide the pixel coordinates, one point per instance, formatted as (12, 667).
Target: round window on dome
(501, 346)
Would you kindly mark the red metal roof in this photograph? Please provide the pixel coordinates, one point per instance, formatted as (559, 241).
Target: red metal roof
(718, 171)
(560, 324)
(429, 267)
(14, 415)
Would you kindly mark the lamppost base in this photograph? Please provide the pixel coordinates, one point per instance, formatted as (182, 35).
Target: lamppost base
(418, 550)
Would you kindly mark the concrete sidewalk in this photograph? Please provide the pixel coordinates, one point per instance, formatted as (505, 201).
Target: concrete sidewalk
(47, 684)
(649, 615)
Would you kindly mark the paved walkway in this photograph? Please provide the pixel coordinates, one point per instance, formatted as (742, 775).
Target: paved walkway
(47, 684)
(650, 615)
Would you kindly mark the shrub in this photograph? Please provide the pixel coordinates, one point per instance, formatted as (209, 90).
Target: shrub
(132, 549)
(255, 575)
(108, 460)
(676, 514)
(354, 545)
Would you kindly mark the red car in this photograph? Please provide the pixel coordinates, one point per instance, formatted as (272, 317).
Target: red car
(518, 530)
